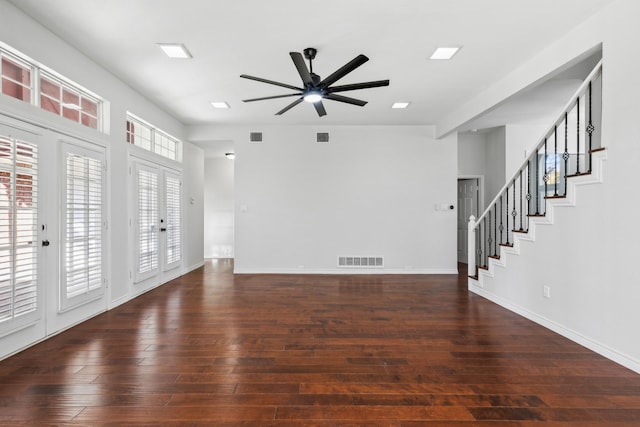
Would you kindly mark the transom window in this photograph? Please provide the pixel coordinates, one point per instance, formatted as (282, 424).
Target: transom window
(68, 102)
(52, 92)
(147, 136)
(16, 77)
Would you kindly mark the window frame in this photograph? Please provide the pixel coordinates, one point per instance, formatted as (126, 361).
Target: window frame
(156, 141)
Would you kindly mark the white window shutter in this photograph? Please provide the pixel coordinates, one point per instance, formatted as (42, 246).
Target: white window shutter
(147, 230)
(18, 231)
(173, 220)
(83, 236)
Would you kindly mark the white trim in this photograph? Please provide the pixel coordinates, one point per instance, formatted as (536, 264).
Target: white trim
(194, 266)
(606, 351)
(343, 271)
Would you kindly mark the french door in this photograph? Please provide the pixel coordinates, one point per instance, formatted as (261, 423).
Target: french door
(158, 220)
(21, 268)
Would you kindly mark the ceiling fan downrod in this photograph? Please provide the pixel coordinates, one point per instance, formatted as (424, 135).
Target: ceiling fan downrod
(310, 54)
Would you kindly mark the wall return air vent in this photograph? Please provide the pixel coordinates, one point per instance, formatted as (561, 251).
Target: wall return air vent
(360, 262)
(255, 137)
(322, 137)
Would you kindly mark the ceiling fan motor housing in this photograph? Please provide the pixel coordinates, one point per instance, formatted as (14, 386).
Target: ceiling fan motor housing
(310, 53)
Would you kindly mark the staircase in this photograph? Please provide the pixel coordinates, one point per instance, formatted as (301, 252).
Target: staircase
(536, 249)
(567, 156)
(506, 250)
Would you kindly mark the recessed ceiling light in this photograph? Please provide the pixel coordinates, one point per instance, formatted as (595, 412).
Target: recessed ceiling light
(397, 105)
(444, 52)
(220, 104)
(175, 50)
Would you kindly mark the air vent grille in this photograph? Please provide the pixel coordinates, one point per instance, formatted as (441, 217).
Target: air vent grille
(360, 261)
(255, 137)
(322, 137)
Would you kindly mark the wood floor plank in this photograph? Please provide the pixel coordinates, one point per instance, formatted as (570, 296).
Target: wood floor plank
(214, 349)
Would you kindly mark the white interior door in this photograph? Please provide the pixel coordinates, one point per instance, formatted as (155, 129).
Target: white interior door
(467, 206)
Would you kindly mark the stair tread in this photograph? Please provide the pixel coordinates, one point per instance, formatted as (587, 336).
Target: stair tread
(507, 245)
(595, 150)
(559, 196)
(575, 175)
(520, 231)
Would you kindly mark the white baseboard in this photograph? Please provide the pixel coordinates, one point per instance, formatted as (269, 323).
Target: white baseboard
(343, 271)
(193, 267)
(603, 350)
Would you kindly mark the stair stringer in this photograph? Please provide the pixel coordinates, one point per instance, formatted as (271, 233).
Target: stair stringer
(595, 177)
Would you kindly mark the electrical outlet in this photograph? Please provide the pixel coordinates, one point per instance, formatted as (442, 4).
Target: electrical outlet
(546, 291)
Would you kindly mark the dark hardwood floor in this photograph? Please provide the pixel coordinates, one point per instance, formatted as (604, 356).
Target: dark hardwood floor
(291, 350)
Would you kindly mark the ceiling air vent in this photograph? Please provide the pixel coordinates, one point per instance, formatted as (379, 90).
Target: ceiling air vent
(361, 261)
(322, 137)
(255, 137)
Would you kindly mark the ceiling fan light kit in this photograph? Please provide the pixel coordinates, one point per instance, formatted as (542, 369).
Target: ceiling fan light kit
(314, 89)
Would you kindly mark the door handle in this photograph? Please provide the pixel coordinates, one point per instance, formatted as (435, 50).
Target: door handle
(45, 243)
(163, 229)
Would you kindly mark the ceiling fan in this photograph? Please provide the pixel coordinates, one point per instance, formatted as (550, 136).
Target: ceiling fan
(314, 90)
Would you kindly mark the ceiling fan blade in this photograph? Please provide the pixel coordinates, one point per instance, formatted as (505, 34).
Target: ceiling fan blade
(290, 106)
(271, 82)
(320, 108)
(346, 99)
(344, 70)
(271, 97)
(298, 60)
(366, 85)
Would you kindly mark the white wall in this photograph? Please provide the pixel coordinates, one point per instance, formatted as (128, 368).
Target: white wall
(472, 153)
(371, 191)
(194, 201)
(27, 36)
(520, 141)
(495, 163)
(219, 208)
(589, 257)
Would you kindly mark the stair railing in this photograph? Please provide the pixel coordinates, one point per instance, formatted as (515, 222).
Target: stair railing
(563, 152)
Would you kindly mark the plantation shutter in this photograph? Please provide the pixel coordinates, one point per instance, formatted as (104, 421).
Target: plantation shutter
(18, 231)
(147, 230)
(83, 226)
(173, 220)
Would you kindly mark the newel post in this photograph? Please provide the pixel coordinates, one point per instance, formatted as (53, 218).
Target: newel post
(471, 246)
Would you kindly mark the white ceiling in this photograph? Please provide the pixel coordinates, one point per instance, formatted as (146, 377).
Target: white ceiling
(229, 38)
